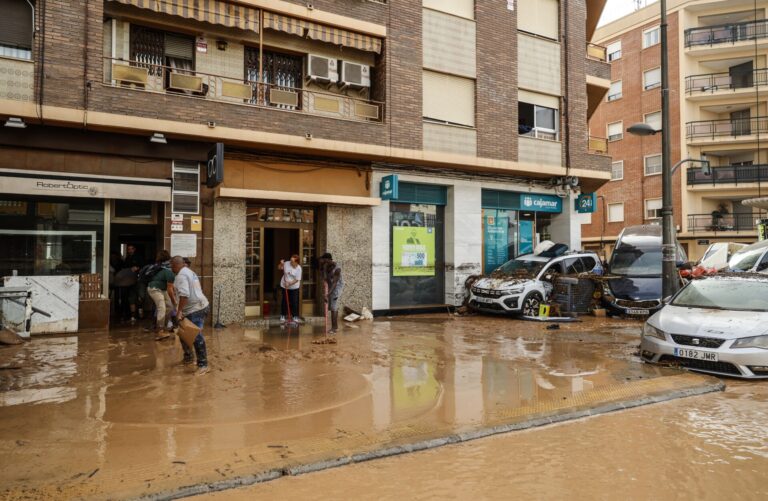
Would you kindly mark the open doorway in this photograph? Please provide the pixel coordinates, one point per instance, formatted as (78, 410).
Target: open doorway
(279, 243)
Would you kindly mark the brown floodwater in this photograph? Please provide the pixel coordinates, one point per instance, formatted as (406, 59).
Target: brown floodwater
(115, 414)
(708, 447)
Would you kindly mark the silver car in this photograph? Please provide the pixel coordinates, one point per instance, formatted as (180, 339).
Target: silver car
(717, 325)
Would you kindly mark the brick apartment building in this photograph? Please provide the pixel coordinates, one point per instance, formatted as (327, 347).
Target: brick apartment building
(241, 132)
(717, 78)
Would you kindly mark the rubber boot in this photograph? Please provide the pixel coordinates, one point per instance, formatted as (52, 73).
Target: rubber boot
(334, 321)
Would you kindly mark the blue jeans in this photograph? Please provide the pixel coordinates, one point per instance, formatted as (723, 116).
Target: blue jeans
(197, 318)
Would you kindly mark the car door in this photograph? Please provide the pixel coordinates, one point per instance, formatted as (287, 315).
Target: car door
(573, 266)
(589, 262)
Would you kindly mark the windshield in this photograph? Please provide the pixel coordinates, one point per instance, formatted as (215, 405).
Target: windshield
(710, 252)
(745, 261)
(521, 266)
(744, 295)
(636, 262)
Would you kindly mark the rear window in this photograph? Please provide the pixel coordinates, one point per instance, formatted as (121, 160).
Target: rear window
(636, 262)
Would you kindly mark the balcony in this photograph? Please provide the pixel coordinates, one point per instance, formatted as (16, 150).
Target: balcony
(741, 130)
(718, 85)
(158, 79)
(715, 222)
(726, 35)
(729, 174)
(597, 53)
(598, 145)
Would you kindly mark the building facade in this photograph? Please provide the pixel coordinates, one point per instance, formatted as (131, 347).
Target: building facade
(717, 54)
(239, 133)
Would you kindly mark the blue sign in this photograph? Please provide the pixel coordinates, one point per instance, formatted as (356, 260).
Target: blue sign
(495, 240)
(541, 203)
(389, 187)
(586, 203)
(526, 237)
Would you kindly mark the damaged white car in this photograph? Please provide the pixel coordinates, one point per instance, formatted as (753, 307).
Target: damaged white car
(520, 286)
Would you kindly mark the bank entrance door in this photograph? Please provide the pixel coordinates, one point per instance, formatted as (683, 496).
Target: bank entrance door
(272, 234)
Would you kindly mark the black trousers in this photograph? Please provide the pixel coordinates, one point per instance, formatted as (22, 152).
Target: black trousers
(292, 300)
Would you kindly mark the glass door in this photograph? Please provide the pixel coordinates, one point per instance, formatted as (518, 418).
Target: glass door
(253, 259)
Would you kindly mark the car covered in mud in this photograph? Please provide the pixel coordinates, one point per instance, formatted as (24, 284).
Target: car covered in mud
(717, 325)
(521, 285)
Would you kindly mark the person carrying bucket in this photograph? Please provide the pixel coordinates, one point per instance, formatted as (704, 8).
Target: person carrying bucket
(291, 285)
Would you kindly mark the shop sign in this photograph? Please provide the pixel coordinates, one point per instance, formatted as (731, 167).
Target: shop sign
(413, 251)
(214, 172)
(702, 242)
(184, 244)
(495, 240)
(196, 223)
(761, 231)
(541, 203)
(177, 218)
(586, 203)
(201, 44)
(389, 187)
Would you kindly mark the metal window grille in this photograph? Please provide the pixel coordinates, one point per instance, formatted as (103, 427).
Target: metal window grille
(280, 72)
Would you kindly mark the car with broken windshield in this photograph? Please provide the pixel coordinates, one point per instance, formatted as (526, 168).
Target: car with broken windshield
(521, 285)
(717, 325)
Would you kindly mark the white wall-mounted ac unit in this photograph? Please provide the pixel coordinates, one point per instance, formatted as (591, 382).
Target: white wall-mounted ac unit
(322, 68)
(355, 75)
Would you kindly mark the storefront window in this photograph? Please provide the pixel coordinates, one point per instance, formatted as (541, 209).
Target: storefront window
(45, 237)
(500, 237)
(417, 256)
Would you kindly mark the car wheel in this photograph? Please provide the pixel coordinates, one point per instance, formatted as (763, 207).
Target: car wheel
(531, 304)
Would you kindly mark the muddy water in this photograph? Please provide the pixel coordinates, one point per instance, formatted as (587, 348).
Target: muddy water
(117, 413)
(708, 447)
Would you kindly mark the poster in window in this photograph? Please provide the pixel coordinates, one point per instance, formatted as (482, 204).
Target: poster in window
(413, 251)
(496, 241)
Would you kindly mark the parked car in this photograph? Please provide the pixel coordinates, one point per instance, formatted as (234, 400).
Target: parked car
(751, 258)
(719, 254)
(636, 260)
(715, 325)
(520, 286)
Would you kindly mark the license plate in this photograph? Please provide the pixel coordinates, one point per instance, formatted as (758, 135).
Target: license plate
(484, 300)
(634, 311)
(708, 356)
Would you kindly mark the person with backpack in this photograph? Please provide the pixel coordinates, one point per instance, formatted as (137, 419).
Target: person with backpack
(159, 279)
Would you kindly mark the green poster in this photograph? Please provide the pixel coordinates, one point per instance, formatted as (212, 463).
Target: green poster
(413, 251)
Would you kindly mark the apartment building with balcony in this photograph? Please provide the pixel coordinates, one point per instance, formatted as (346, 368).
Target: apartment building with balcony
(718, 54)
(240, 132)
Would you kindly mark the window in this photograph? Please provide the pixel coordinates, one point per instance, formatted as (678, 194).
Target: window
(617, 171)
(653, 208)
(614, 51)
(163, 54)
(186, 188)
(651, 78)
(282, 72)
(652, 165)
(614, 92)
(574, 266)
(654, 120)
(615, 131)
(540, 17)
(448, 99)
(615, 213)
(651, 37)
(16, 28)
(589, 263)
(537, 121)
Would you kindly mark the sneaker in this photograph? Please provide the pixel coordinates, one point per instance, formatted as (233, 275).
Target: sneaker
(282, 320)
(133, 320)
(201, 371)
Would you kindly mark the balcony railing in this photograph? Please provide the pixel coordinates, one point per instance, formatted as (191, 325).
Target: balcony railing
(729, 174)
(597, 52)
(714, 82)
(727, 127)
(723, 222)
(598, 145)
(195, 84)
(726, 33)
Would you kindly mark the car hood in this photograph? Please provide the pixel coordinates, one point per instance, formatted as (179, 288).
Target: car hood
(636, 288)
(501, 283)
(724, 324)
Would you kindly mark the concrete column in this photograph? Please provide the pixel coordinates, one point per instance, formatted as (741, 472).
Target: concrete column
(463, 238)
(380, 240)
(566, 226)
(348, 237)
(229, 260)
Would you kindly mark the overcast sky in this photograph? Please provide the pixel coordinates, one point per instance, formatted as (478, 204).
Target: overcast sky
(615, 9)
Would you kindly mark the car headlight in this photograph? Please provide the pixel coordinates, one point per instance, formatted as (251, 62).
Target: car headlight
(752, 342)
(651, 331)
(514, 290)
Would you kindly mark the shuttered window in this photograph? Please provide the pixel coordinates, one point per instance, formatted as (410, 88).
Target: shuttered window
(186, 188)
(616, 91)
(16, 29)
(652, 78)
(449, 99)
(614, 51)
(617, 171)
(179, 46)
(540, 17)
(416, 193)
(461, 8)
(615, 131)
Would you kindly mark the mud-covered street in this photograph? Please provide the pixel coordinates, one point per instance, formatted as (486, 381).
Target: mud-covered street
(116, 415)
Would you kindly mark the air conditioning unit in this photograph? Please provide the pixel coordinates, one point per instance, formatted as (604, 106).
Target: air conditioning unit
(322, 68)
(355, 75)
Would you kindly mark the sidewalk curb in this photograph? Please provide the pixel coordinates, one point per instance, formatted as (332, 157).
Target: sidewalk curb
(421, 445)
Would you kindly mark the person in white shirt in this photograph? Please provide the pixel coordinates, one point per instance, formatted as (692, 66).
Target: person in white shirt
(191, 303)
(291, 285)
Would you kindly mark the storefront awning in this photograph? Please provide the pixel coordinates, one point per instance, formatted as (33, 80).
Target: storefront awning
(208, 11)
(324, 33)
(65, 184)
(757, 203)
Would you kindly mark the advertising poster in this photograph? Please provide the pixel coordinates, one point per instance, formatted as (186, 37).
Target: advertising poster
(413, 251)
(496, 240)
(526, 237)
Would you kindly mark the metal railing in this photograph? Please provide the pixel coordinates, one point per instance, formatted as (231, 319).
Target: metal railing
(727, 127)
(714, 82)
(723, 222)
(729, 174)
(726, 33)
(597, 52)
(598, 145)
(195, 84)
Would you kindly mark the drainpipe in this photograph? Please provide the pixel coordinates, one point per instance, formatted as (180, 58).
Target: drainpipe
(567, 52)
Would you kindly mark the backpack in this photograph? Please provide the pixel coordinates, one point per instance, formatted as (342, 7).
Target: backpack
(148, 272)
